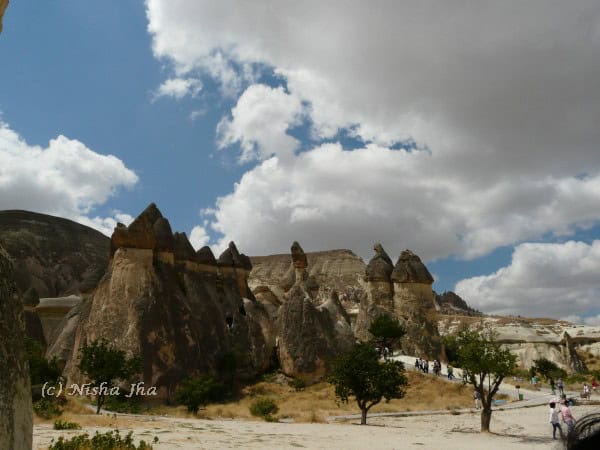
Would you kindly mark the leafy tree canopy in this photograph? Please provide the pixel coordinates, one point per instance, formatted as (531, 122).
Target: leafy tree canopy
(548, 369)
(487, 363)
(102, 363)
(359, 373)
(386, 330)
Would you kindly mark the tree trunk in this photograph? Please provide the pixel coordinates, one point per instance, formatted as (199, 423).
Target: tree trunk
(363, 416)
(486, 418)
(99, 402)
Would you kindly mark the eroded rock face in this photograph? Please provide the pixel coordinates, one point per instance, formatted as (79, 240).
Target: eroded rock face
(162, 301)
(404, 292)
(308, 336)
(16, 424)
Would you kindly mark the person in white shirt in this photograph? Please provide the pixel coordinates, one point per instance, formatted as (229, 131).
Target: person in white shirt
(554, 420)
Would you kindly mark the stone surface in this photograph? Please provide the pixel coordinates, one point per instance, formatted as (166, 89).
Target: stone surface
(410, 269)
(55, 256)
(450, 303)
(15, 390)
(380, 266)
(51, 312)
(339, 270)
(180, 318)
(308, 336)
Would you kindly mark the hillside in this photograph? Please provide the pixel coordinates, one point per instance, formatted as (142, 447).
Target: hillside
(56, 256)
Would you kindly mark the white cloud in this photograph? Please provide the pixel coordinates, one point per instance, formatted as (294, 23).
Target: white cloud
(66, 178)
(500, 94)
(331, 198)
(260, 121)
(199, 237)
(179, 88)
(543, 280)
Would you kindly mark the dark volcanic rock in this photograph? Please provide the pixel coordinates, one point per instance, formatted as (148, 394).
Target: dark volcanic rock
(380, 266)
(298, 256)
(16, 424)
(410, 269)
(164, 235)
(53, 255)
(206, 256)
(183, 249)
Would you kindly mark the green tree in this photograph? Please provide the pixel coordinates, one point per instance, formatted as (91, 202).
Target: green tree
(199, 391)
(386, 330)
(548, 369)
(487, 364)
(104, 365)
(360, 374)
(41, 370)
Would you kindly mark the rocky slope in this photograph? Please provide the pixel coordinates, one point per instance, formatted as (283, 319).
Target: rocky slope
(56, 256)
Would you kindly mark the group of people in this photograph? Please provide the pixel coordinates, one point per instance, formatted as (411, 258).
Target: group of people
(562, 410)
(423, 366)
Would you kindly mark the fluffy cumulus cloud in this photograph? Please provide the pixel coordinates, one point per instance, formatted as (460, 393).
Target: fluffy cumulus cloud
(332, 198)
(498, 98)
(259, 123)
(179, 88)
(65, 178)
(199, 237)
(542, 280)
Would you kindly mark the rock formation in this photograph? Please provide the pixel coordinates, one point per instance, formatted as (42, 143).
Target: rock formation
(308, 335)
(55, 256)
(338, 270)
(178, 309)
(404, 292)
(451, 304)
(51, 311)
(16, 424)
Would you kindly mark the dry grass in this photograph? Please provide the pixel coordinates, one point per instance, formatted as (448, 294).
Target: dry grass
(316, 402)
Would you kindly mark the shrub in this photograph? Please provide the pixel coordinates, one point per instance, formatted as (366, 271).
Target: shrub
(298, 384)
(264, 407)
(48, 407)
(199, 391)
(66, 425)
(110, 440)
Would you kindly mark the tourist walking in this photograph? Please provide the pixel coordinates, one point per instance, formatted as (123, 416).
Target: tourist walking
(561, 386)
(552, 386)
(594, 385)
(586, 391)
(450, 372)
(567, 415)
(554, 420)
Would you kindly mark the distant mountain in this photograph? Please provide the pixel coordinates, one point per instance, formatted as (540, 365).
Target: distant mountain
(56, 256)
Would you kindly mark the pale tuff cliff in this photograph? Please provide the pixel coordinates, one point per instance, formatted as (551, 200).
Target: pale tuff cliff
(531, 339)
(181, 311)
(332, 270)
(403, 291)
(15, 390)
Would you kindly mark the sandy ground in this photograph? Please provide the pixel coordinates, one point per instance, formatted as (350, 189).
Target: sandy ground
(525, 428)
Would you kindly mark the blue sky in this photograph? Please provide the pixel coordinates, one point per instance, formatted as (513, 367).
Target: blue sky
(461, 133)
